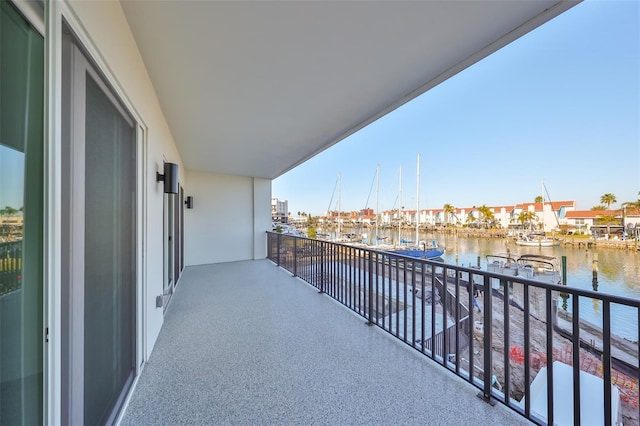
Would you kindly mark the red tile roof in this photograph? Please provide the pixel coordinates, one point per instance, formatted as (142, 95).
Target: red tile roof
(555, 205)
(592, 214)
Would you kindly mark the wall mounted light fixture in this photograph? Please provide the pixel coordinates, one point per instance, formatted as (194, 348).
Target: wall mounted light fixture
(170, 178)
(189, 202)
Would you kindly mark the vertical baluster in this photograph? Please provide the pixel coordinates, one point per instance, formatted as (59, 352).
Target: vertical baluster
(370, 268)
(433, 312)
(413, 304)
(576, 358)
(405, 265)
(527, 354)
(457, 322)
(397, 295)
(606, 359)
(445, 337)
(549, 328)
(488, 340)
(295, 256)
(507, 340)
(470, 296)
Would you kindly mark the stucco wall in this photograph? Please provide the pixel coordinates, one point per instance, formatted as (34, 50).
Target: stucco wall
(229, 218)
(102, 27)
(262, 216)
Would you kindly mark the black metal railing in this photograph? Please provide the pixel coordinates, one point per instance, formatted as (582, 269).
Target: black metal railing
(524, 345)
(10, 266)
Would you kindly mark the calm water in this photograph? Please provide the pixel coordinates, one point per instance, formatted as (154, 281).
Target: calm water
(618, 272)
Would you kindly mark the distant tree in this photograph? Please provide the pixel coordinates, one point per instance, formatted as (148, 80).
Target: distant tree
(9, 211)
(608, 199)
(607, 219)
(539, 199)
(486, 215)
(448, 211)
(311, 232)
(635, 204)
(471, 219)
(599, 207)
(527, 218)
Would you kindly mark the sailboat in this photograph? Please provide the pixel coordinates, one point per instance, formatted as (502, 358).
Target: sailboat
(421, 250)
(538, 239)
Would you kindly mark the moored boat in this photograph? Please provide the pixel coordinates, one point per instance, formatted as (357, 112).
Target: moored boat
(422, 251)
(536, 240)
(539, 267)
(530, 266)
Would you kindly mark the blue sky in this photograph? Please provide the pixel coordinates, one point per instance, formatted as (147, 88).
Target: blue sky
(559, 105)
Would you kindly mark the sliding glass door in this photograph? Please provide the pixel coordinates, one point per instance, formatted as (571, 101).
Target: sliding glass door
(21, 219)
(99, 195)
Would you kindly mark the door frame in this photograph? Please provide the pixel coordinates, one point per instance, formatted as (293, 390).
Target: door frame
(56, 16)
(72, 189)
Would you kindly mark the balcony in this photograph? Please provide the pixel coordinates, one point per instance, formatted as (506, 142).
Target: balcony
(246, 342)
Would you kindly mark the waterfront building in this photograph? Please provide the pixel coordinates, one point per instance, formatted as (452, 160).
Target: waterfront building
(503, 216)
(279, 210)
(550, 214)
(150, 134)
(587, 221)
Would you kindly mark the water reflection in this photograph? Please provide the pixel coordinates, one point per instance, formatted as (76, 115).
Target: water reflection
(618, 270)
(11, 218)
(618, 273)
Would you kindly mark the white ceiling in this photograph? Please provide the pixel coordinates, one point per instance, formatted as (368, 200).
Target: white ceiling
(254, 88)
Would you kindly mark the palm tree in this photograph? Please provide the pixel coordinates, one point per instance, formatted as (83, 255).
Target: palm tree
(538, 199)
(634, 205)
(608, 199)
(471, 219)
(599, 207)
(527, 217)
(608, 219)
(486, 215)
(448, 211)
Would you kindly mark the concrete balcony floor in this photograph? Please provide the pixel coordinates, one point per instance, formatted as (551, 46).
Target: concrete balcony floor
(245, 343)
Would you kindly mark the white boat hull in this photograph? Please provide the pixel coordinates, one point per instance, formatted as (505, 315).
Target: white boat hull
(538, 243)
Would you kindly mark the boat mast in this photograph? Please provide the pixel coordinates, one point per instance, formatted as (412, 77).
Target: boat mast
(339, 199)
(418, 201)
(377, 201)
(544, 232)
(400, 205)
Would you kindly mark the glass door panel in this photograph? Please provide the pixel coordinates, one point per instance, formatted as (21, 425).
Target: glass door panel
(99, 198)
(21, 219)
(109, 279)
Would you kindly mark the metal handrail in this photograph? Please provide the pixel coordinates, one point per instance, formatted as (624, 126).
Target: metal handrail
(394, 292)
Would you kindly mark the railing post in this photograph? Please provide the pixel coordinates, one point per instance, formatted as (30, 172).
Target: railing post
(278, 248)
(321, 250)
(295, 256)
(488, 342)
(370, 304)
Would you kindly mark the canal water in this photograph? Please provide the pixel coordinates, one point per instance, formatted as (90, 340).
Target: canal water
(618, 271)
